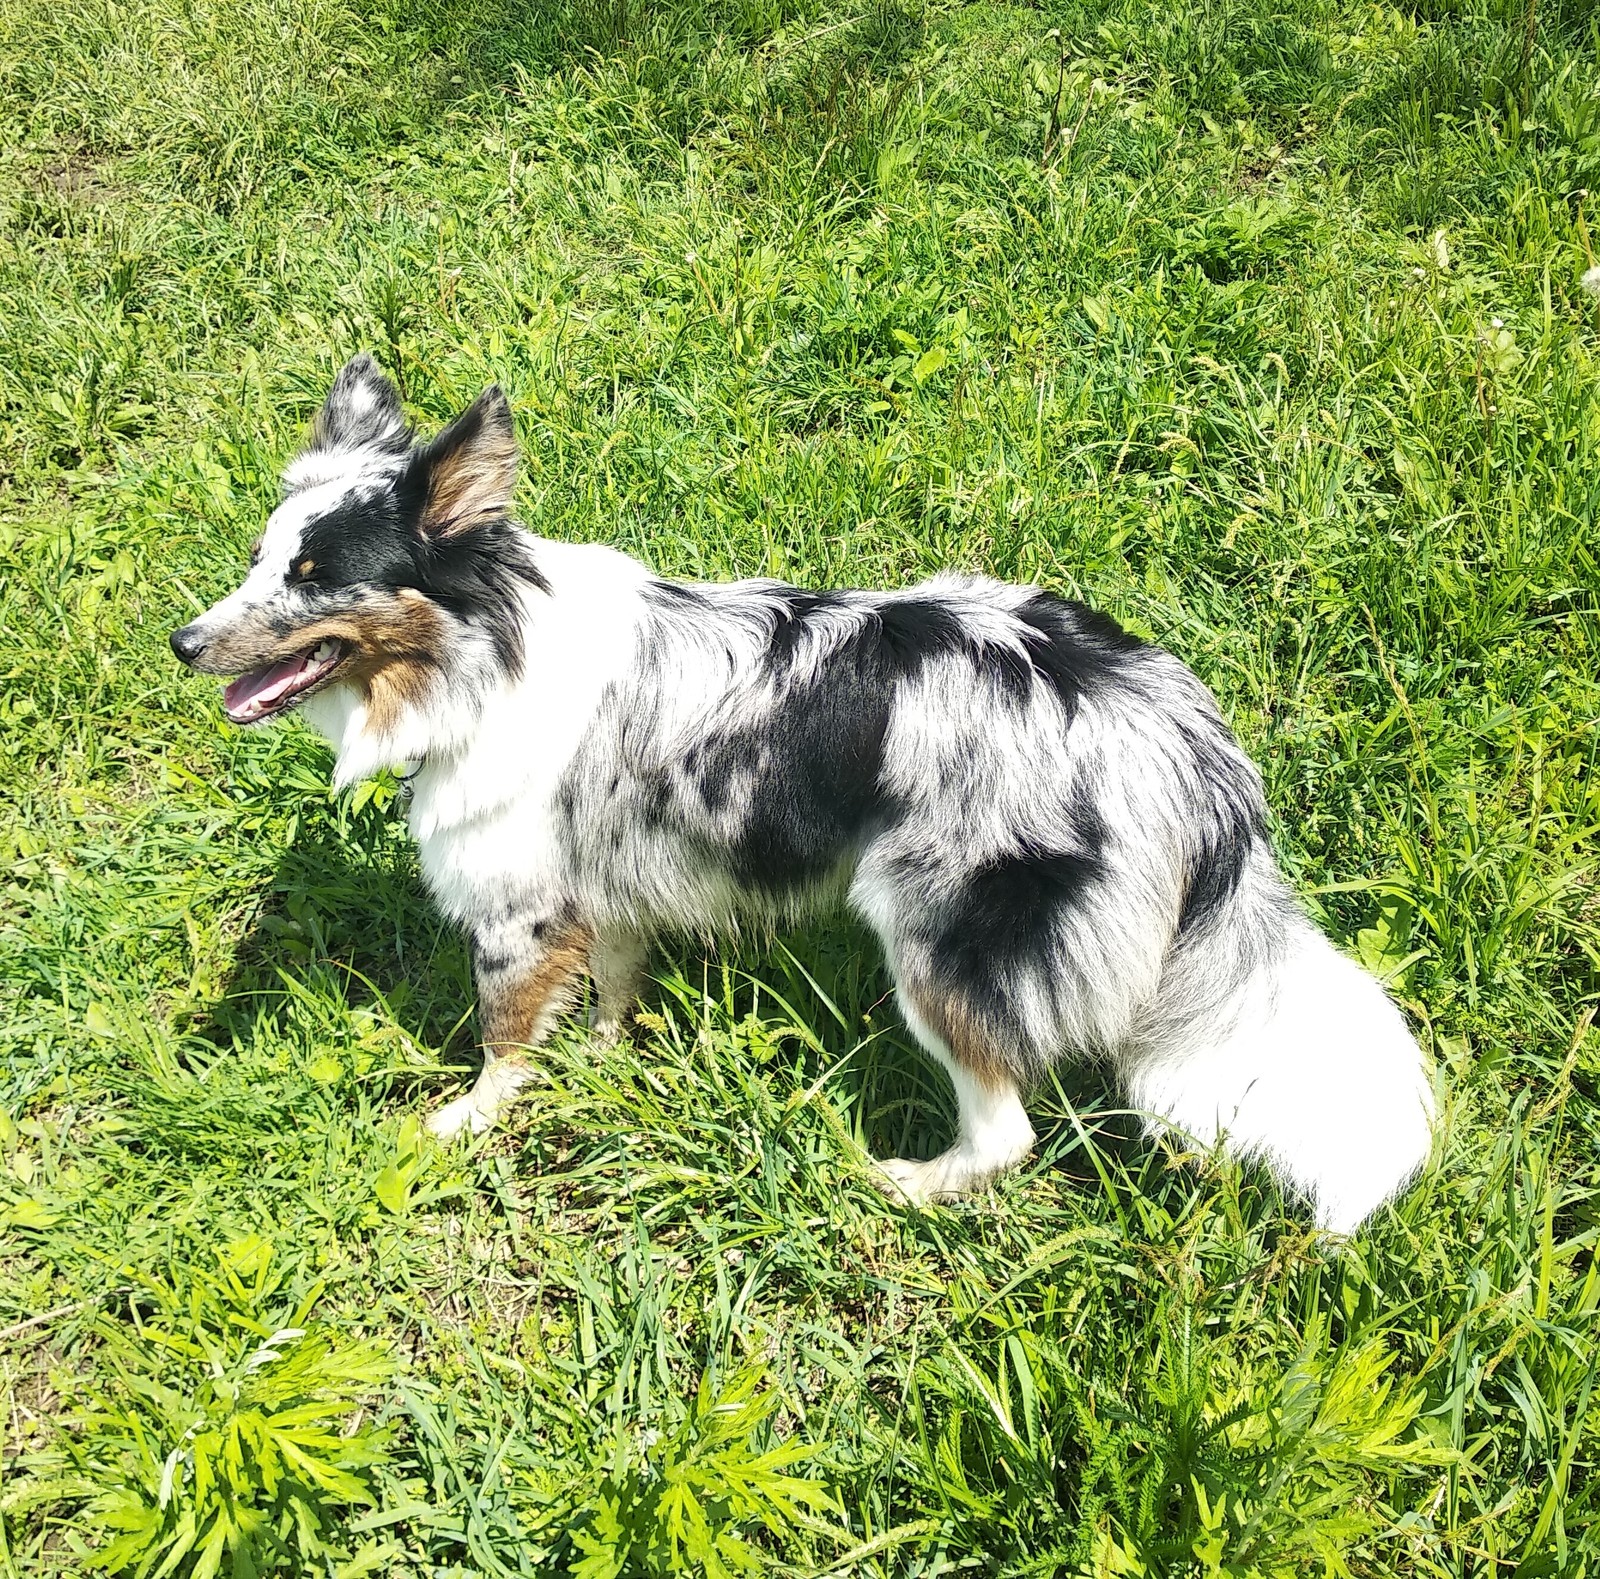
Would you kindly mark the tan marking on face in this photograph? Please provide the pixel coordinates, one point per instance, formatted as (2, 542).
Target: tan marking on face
(400, 649)
(305, 567)
(473, 482)
(396, 644)
(516, 1006)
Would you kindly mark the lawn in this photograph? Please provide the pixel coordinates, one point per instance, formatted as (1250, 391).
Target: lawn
(1257, 323)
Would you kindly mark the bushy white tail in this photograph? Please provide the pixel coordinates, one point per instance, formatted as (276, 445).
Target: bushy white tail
(1312, 1071)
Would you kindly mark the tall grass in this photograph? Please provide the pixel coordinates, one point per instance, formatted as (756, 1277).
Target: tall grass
(1257, 322)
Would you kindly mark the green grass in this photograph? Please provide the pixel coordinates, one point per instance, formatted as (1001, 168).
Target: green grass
(1256, 322)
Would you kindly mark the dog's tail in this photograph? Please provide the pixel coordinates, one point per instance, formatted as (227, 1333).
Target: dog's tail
(1267, 1038)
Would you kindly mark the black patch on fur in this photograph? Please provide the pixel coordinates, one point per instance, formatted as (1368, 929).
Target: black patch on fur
(1074, 648)
(479, 575)
(810, 772)
(488, 962)
(1006, 917)
(495, 940)
(673, 594)
(809, 775)
(917, 629)
(1079, 649)
(362, 542)
(1228, 821)
(373, 541)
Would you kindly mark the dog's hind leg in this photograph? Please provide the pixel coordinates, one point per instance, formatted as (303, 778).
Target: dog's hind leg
(616, 964)
(992, 1130)
(525, 975)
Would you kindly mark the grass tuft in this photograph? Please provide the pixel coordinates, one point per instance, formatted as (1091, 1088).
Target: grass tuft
(1261, 323)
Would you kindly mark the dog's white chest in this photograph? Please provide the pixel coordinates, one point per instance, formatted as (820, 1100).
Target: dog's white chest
(483, 820)
(476, 869)
(482, 814)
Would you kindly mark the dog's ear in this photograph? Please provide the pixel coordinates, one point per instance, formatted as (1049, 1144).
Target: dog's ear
(362, 409)
(470, 469)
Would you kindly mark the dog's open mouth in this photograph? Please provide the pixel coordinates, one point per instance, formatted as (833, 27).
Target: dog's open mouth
(262, 693)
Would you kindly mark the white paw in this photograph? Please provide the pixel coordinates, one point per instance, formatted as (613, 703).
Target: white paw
(947, 1177)
(463, 1116)
(910, 1183)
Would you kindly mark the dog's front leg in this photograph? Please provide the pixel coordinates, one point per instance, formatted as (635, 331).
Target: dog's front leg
(525, 970)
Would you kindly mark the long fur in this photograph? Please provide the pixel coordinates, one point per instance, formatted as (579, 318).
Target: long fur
(1045, 821)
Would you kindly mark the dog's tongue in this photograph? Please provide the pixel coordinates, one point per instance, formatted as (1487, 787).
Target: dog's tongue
(251, 693)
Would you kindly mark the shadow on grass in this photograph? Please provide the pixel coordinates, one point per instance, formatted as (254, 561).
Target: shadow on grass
(346, 919)
(490, 41)
(829, 977)
(346, 929)
(822, 110)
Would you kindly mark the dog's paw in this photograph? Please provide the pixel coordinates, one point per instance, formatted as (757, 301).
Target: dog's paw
(615, 1027)
(461, 1117)
(905, 1182)
(606, 1030)
(951, 1176)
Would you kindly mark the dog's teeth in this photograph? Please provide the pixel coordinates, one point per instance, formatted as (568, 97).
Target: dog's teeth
(323, 653)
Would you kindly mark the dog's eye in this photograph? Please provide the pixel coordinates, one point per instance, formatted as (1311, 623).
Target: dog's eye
(305, 569)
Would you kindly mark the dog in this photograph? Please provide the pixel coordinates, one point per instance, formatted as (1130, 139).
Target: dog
(1045, 820)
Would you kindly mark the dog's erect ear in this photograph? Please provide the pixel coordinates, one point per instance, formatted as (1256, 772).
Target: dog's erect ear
(362, 408)
(470, 469)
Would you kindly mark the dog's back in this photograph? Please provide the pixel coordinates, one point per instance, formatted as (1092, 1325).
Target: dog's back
(1048, 824)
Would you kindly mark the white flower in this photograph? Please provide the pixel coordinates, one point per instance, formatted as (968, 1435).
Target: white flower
(1497, 323)
(1591, 281)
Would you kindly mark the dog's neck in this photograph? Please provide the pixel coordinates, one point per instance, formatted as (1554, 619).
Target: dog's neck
(474, 738)
(435, 716)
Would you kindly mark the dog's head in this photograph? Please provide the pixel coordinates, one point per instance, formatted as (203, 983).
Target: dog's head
(386, 563)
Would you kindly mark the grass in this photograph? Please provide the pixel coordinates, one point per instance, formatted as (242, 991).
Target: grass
(1256, 322)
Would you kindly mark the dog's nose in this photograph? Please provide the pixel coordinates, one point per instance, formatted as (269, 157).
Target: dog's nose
(188, 643)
